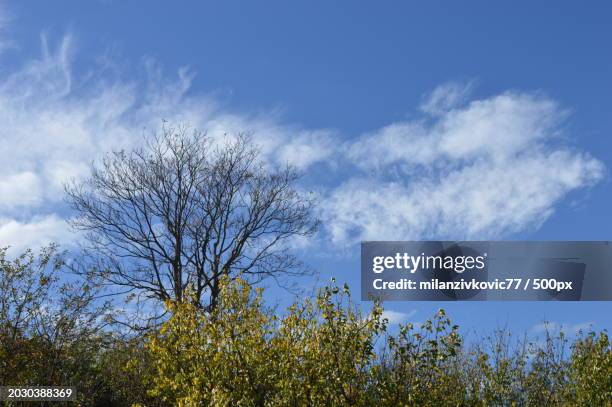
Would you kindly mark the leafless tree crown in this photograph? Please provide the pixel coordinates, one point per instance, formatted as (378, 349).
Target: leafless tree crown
(183, 211)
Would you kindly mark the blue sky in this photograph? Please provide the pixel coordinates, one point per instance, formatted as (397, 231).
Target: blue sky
(433, 120)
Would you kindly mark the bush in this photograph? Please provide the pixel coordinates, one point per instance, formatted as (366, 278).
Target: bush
(325, 352)
(321, 351)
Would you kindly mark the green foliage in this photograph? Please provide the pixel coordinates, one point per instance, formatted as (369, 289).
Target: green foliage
(590, 372)
(321, 351)
(217, 358)
(324, 352)
(241, 354)
(43, 318)
(51, 327)
(325, 349)
(421, 366)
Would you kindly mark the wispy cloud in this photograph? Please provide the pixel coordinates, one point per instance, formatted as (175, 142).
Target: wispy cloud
(34, 232)
(397, 317)
(465, 169)
(56, 123)
(446, 97)
(482, 169)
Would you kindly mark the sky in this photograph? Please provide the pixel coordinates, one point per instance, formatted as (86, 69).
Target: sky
(430, 120)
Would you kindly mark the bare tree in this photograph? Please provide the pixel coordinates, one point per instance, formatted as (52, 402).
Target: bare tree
(184, 210)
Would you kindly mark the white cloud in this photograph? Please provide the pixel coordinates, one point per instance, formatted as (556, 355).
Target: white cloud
(55, 123)
(20, 189)
(278, 143)
(397, 317)
(466, 169)
(481, 170)
(36, 232)
(496, 129)
(445, 97)
(308, 148)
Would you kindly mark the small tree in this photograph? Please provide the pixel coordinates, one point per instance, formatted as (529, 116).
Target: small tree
(51, 325)
(241, 354)
(185, 211)
(222, 357)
